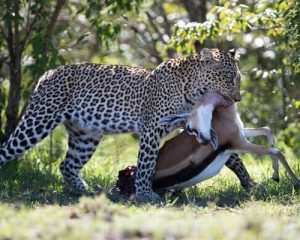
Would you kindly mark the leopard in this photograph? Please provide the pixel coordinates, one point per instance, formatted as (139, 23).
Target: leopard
(92, 100)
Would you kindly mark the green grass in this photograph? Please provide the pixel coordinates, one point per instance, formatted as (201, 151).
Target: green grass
(35, 203)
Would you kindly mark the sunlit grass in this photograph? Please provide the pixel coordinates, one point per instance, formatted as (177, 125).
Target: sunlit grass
(35, 199)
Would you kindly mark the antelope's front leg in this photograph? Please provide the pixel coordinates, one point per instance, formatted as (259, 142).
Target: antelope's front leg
(245, 147)
(149, 146)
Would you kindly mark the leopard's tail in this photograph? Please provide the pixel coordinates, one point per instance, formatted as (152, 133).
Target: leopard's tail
(41, 115)
(29, 131)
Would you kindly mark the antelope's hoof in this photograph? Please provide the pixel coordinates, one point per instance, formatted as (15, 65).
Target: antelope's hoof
(276, 179)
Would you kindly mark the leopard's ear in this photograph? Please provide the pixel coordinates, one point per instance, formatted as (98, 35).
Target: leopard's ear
(206, 55)
(233, 54)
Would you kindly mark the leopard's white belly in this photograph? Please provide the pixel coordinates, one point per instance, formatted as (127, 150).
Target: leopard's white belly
(210, 171)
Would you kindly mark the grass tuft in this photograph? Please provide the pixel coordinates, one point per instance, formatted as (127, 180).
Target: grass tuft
(35, 203)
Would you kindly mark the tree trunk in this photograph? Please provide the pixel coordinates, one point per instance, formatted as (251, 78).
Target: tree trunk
(2, 136)
(16, 46)
(283, 99)
(15, 57)
(196, 9)
(14, 94)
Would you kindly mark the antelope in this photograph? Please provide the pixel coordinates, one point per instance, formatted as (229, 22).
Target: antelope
(183, 161)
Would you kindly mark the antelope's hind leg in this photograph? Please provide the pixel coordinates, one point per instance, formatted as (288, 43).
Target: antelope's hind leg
(273, 152)
(265, 131)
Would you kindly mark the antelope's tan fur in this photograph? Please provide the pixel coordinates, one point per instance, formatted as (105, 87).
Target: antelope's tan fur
(184, 150)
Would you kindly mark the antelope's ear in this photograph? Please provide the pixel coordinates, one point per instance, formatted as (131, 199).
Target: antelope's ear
(206, 55)
(214, 139)
(174, 118)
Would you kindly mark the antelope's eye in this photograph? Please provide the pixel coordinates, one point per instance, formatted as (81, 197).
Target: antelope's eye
(188, 129)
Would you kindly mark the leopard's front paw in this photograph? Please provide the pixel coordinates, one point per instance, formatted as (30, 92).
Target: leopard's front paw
(296, 186)
(148, 197)
(258, 188)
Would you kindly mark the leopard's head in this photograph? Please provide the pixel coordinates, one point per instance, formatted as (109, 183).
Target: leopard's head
(220, 73)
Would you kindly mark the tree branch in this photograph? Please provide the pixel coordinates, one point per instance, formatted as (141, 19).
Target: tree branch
(166, 23)
(29, 27)
(253, 29)
(196, 9)
(2, 29)
(154, 26)
(150, 45)
(53, 19)
(50, 27)
(167, 27)
(10, 41)
(16, 28)
(2, 137)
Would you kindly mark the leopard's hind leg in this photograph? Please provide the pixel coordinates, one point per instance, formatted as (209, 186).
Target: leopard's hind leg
(235, 164)
(81, 147)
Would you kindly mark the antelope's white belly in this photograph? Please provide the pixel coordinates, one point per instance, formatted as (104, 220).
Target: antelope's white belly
(210, 171)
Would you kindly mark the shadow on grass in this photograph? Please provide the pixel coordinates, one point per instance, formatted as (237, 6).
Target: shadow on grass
(28, 185)
(234, 196)
(228, 195)
(31, 185)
